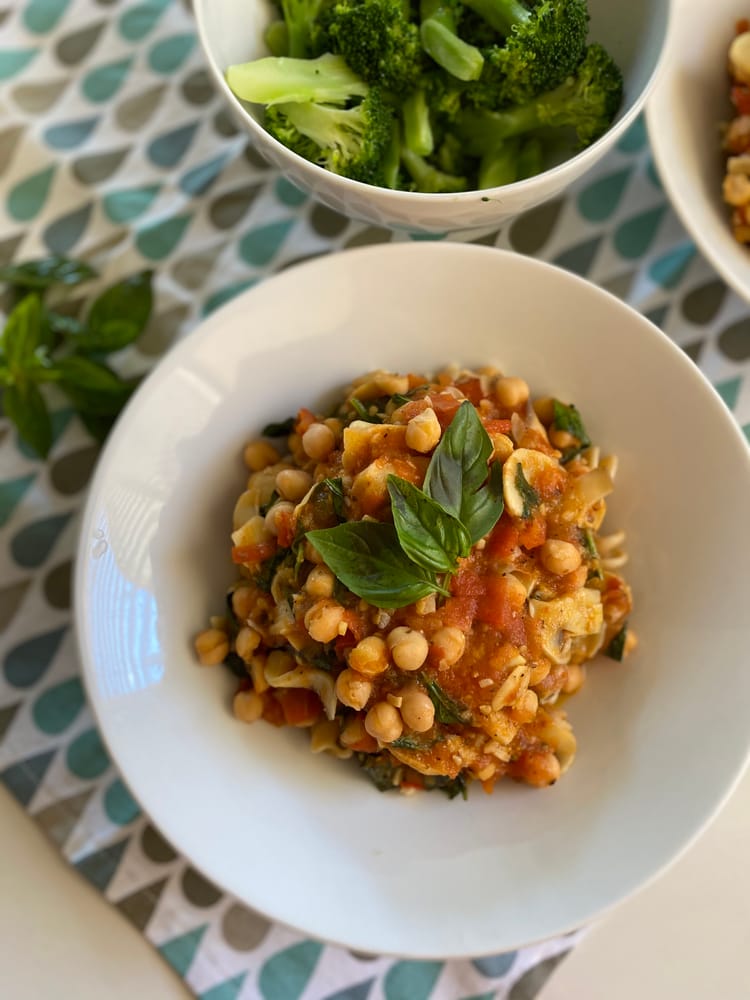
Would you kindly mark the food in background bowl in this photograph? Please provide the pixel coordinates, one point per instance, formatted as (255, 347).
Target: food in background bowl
(736, 145)
(439, 99)
(423, 576)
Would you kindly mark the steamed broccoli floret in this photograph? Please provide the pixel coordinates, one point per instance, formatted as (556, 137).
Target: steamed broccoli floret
(351, 142)
(440, 40)
(418, 134)
(428, 178)
(377, 39)
(586, 102)
(542, 47)
(274, 80)
(300, 17)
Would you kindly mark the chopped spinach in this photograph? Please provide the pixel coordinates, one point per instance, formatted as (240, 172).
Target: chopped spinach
(616, 648)
(447, 709)
(567, 418)
(236, 664)
(267, 571)
(413, 743)
(363, 412)
(529, 495)
(280, 429)
(380, 769)
(264, 508)
(452, 787)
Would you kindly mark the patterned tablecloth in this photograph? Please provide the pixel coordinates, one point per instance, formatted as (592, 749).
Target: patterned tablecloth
(114, 147)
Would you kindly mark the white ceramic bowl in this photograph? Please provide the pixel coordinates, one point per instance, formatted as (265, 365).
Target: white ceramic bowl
(684, 115)
(307, 840)
(231, 32)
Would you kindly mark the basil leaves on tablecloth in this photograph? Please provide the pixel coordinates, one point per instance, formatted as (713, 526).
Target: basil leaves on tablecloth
(394, 565)
(40, 343)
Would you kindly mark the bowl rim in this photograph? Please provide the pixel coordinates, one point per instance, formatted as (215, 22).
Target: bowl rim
(556, 177)
(170, 361)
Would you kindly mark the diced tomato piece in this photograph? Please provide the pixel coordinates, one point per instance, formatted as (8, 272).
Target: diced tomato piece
(742, 26)
(300, 706)
(500, 606)
(253, 553)
(472, 389)
(533, 533)
(272, 710)
(367, 744)
(497, 426)
(284, 529)
(304, 419)
(445, 406)
(741, 98)
(503, 539)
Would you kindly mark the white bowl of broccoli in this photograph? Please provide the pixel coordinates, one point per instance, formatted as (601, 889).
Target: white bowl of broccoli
(439, 115)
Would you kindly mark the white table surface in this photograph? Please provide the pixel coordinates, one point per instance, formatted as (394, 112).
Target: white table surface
(685, 937)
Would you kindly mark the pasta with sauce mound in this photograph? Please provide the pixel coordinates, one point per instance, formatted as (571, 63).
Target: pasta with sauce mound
(423, 577)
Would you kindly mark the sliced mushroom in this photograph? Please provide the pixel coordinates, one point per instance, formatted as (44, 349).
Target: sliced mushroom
(574, 614)
(278, 674)
(533, 465)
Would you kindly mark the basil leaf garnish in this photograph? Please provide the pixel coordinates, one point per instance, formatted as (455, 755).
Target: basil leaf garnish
(83, 373)
(567, 418)
(367, 558)
(529, 495)
(25, 407)
(447, 709)
(23, 333)
(458, 471)
(429, 535)
(118, 315)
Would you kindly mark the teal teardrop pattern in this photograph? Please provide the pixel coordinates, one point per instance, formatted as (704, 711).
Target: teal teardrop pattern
(119, 805)
(260, 246)
(201, 178)
(56, 709)
(127, 205)
(634, 236)
(27, 198)
(635, 138)
(138, 22)
(411, 980)
(285, 975)
(729, 390)
(167, 56)
(653, 175)
(63, 234)
(31, 546)
(228, 990)
(495, 965)
(289, 194)
(669, 269)
(225, 294)
(168, 149)
(42, 16)
(601, 199)
(101, 84)
(11, 493)
(99, 868)
(180, 951)
(29, 661)
(86, 756)
(157, 241)
(360, 991)
(70, 134)
(14, 61)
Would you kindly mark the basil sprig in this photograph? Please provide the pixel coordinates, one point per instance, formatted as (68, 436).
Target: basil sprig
(567, 418)
(39, 344)
(428, 534)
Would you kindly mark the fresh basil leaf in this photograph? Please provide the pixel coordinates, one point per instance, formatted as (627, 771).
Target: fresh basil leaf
(429, 536)
(529, 495)
(567, 418)
(363, 412)
(281, 429)
(25, 407)
(367, 558)
(47, 271)
(268, 569)
(381, 769)
(589, 545)
(97, 404)
(458, 471)
(412, 743)
(23, 333)
(447, 709)
(616, 648)
(6, 377)
(118, 315)
(324, 507)
(398, 399)
(336, 489)
(83, 373)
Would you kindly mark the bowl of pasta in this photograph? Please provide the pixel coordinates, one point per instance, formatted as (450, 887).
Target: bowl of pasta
(398, 573)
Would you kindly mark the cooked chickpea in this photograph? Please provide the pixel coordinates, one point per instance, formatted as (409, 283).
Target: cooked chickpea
(352, 689)
(243, 602)
(544, 407)
(450, 643)
(318, 441)
(511, 392)
(312, 555)
(574, 680)
(353, 732)
(408, 647)
(247, 706)
(417, 710)
(525, 708)
(323, 619)
(282, 508)
(369, 656)
(320, 582)
(246, 643)
(541, 769)
(383, 722)
(561, 439)
(293, 484)
(259, 455)
(423, 431)
(502, 447)
(560, 557)
(212, 646)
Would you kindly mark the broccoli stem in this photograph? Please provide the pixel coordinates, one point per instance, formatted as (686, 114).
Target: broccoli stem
(276, 37)
(392, 158)
(501, 15)
(273, 80)
(441, 42)
(299, 16)
(530, 158)
(499, 165)
(417, 128)
(428, 178)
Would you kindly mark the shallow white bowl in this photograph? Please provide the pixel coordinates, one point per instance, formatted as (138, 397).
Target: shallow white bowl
(307, 840)
(231, 31)
(684, 115)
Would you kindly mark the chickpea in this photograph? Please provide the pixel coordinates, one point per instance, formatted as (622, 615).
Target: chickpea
(417, 710)
(369, 656)
(560, 557)
(246, 643)
(354, 732)
(408, 647)
(544, 407)
(212, 646)
(525, 708)
(541, 769)
(574, 680)
(320, 582)
(383, 721)
(450, 643)
(312, 555)
(243, 602)
(293, 484)
(502, 447)
(318, 441)
(423, 431)
(283, 507)
(323, 620)
(511, 392)
(247, 706)
(561, 439)
(352, 689)
(259, 455)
